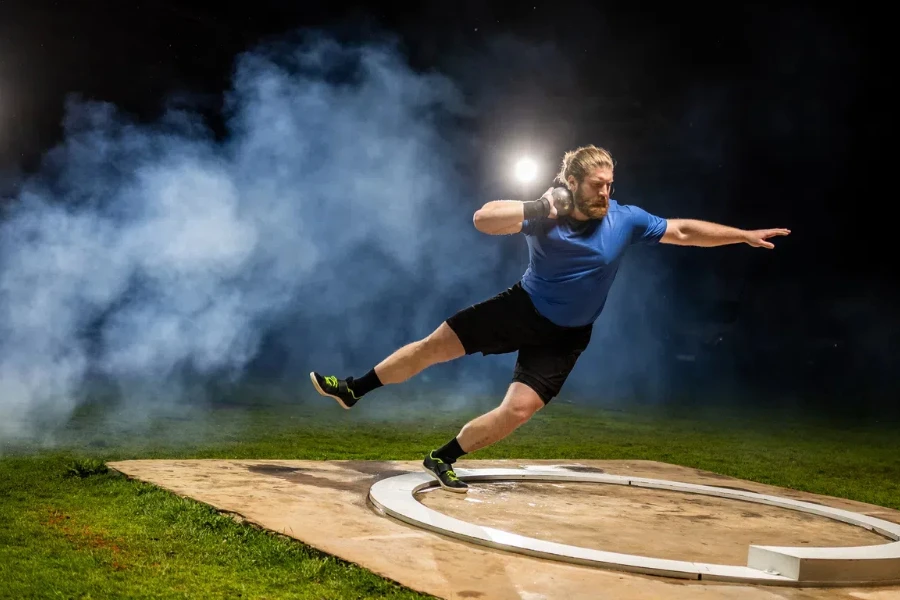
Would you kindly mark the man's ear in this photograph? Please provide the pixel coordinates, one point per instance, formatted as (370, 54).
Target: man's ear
(570, 180)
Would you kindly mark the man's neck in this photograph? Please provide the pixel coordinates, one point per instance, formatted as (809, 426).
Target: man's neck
(579, 216)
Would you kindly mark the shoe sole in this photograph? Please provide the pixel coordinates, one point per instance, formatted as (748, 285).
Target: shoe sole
(438, 479)
(312, 377)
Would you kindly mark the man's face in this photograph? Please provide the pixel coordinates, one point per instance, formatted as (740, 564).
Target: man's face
(591, 196)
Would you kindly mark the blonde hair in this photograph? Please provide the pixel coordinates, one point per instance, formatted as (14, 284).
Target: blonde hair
(581, 161)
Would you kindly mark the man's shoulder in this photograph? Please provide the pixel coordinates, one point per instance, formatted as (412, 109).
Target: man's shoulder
(642, 225)
(616, 206)
(621, 213)
(627, 211)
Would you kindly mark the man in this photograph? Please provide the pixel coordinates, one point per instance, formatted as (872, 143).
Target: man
(548, 315)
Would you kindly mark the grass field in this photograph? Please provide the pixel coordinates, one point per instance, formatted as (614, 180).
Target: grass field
(71, 529)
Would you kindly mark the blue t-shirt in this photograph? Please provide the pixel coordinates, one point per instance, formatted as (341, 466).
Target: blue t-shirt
(572, 264)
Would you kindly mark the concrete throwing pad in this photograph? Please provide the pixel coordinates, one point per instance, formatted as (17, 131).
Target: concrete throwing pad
(324, 504)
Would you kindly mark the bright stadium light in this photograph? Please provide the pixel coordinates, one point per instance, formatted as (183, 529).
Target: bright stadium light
(526, 170)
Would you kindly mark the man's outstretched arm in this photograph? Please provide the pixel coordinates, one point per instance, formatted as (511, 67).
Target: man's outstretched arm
(690, 232)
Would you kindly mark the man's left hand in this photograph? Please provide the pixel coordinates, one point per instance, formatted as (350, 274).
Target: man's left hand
(758, 237)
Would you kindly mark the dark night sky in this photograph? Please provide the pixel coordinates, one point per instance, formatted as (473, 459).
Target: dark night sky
(804, 88)
(756, 116)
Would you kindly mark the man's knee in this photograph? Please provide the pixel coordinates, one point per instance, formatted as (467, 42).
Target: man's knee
(521, 402)
(442, 344)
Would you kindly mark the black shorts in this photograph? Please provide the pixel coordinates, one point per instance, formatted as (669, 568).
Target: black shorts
(509, 322)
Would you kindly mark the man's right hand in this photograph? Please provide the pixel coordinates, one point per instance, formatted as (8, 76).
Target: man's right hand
(549, 196)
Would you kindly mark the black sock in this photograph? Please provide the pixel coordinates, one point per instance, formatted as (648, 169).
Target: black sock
(449, 452)
(364, 384)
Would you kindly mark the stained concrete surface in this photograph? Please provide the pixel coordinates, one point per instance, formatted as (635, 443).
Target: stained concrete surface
(648, 522)
(324, 504)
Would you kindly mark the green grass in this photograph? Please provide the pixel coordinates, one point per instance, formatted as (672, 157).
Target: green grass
(70, 528)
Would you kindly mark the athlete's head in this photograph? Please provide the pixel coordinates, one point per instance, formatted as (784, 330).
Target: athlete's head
(588, 172)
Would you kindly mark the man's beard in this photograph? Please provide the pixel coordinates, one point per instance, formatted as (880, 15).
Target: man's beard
(592, 209)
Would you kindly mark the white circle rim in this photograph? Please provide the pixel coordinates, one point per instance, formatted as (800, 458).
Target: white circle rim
(771, 565)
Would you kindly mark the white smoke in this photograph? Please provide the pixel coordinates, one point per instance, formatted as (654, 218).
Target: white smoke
(140, 251)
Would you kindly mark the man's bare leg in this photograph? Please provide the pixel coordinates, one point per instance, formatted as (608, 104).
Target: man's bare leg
(442, 345)
(518, 406)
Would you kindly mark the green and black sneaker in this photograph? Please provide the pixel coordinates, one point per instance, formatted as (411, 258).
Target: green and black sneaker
(334, 388)
(444, 473)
